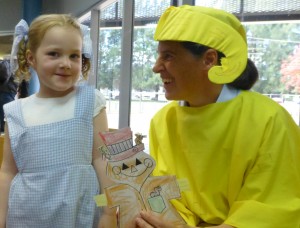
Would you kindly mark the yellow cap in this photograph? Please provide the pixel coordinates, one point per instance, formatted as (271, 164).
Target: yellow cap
(210, 27)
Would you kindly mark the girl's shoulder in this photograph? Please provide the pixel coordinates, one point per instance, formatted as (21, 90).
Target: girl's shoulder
(100, 102)
(99, 97)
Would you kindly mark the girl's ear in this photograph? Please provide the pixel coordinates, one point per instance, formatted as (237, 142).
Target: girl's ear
(210, 58)
(30, 58)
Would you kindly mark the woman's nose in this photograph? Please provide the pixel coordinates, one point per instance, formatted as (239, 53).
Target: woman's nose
(158, 67)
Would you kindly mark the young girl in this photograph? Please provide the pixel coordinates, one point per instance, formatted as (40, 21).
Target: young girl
(51, 168)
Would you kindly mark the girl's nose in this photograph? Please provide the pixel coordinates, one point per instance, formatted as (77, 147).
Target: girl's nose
(66, 63)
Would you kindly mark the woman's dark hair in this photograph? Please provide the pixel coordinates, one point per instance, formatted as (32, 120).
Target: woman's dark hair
(245, 81)
(194, 48)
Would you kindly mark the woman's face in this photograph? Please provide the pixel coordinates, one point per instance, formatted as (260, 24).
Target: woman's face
(57, 61)
(183, 74)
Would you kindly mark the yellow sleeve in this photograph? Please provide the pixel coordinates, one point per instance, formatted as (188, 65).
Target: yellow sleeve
(270, 195)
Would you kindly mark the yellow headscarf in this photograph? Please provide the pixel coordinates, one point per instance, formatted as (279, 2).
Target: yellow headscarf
(210, 27)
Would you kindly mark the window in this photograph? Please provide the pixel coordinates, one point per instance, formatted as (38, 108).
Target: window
(273, 36)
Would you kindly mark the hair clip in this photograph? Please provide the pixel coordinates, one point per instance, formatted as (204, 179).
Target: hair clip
(21, 32)
(86, 43)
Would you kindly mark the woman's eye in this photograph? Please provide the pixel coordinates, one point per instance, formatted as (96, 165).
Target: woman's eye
(167, 57)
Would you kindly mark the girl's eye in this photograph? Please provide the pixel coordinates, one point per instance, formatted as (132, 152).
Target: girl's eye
(53, 53)
(75, 56)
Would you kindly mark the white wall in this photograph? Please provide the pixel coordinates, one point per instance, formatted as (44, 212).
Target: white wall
(10, 15)
(11, 12)
(74, 7)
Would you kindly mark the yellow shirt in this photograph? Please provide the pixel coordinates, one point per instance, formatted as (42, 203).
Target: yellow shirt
(241, 157)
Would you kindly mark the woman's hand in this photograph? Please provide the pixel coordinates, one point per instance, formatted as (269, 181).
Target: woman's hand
(149, 220)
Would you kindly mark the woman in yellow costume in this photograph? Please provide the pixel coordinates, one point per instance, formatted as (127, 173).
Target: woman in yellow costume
(239, 150)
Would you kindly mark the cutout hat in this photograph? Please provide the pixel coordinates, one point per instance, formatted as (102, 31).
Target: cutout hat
(119, 144)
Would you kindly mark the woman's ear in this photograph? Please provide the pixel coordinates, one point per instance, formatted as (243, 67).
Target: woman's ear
(210, 58)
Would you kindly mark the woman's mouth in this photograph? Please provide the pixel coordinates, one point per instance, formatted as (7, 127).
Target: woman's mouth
(166, 80)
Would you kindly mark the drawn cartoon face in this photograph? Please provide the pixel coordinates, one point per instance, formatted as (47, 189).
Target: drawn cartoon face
(133, 169)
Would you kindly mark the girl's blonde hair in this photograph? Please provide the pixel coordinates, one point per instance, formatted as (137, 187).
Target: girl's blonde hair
(36, 33)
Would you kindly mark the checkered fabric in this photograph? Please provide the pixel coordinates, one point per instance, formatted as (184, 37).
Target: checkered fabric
(56, 181)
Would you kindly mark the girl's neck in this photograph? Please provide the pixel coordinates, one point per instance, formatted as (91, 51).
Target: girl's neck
(53, 94)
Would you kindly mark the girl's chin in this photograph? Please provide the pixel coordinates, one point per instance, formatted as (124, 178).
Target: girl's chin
(63, 86)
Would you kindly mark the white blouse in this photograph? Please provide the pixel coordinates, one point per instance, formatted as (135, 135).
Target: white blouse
(49, 110)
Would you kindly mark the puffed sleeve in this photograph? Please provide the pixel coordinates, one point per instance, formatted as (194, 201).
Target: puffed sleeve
(270, 194)
(100, 102)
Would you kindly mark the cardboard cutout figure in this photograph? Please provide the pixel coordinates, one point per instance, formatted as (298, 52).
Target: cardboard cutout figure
(136, 189)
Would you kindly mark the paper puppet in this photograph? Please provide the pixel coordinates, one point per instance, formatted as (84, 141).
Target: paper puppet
(136, 189)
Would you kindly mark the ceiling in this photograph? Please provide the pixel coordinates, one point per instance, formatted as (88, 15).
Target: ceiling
(246, 10)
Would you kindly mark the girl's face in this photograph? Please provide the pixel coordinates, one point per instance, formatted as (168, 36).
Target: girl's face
(57, 61)
(185, 76)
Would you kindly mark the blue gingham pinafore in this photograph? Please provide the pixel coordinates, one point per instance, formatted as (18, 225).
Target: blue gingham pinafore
(56, 182)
